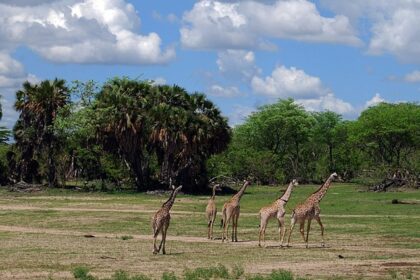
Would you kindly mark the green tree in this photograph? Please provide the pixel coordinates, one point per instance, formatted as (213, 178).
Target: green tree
(142, 122)
(324, 133)
(389, 133)
(39, 105)
(281, 128)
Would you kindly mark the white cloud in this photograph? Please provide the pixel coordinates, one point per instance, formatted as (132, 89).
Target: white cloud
(305, 89)
(82, 32)
(374, 101)
(394, 25)
(227, 92)
(413, 77)
(237, 64)
(239, 114)
(288, 82)
(327, 102)
(159, 81)
(243, 24)
(12, 75)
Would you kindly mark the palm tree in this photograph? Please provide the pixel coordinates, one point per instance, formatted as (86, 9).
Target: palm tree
(39, 105)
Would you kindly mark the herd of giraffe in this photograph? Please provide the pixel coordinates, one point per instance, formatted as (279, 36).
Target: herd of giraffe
(306, 211)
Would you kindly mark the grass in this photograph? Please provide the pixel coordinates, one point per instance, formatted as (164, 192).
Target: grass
(200, 273)
(43, 235)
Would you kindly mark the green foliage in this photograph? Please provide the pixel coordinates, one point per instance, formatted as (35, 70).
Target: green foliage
(144, 123)
(82, 273)
(169, 276)
(34, 133)
(219, 271)
(4, 170)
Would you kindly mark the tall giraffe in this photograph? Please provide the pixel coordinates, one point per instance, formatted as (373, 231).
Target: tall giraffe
(276, 209)
(231, 210)
(310, 210)
(211, 212)
(161, 221)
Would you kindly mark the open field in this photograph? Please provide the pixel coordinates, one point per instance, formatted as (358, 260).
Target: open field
(43, 235)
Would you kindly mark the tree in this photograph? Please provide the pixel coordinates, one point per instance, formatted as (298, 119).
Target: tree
(282, 128)
(325, 133)
(39, 105)
(142, 122)
(389, 133)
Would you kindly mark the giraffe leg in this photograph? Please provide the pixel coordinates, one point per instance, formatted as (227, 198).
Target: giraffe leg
(208, 229)
(292, 225)
(233, 228)
(307, 232)
(155, 250)
(302, 230)
(262, 231)
(163, 241)
(226, 228)
(318, 219)
(211, 227)
(224, 225)
(282, 230)
(236, 226)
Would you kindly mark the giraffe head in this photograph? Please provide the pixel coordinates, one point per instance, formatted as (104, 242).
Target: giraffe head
(217, 187)
(295, 182)
(334, 175)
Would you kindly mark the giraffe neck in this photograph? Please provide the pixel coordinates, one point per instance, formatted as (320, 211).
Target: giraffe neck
(240, 193)
(286, 195)
(320, 193)
(168, 204)
(214, 193)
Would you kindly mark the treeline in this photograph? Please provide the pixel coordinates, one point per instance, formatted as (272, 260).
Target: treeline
(127, 132)
(139, 135)
(283, 141)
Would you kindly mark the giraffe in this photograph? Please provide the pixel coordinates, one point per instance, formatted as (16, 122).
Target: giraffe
(276, 209)
(161, 221)
(231, 211)
(310, 210)
(211, 212)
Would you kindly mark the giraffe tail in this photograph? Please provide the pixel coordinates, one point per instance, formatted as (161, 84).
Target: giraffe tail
(221, 223)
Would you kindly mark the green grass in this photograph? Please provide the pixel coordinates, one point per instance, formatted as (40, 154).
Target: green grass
(372, 234)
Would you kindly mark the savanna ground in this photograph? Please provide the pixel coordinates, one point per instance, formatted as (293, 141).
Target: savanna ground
(43, 235)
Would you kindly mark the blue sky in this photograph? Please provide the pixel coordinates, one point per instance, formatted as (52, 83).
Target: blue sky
(327, 55)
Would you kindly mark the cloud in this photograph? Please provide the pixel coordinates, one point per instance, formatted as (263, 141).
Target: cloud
(78, 31)
(227, 92)
(247, 24)
(159, 81)
(307, 90)
(327, 102)
(239, 114)
(12, 75)
(394, 25)
(413, 77)
(237, 64)
(285, 82)
(376, 99)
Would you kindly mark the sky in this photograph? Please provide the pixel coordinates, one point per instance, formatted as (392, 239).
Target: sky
(342, 56)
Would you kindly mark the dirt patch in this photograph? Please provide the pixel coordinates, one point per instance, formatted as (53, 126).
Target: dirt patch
(392, 264)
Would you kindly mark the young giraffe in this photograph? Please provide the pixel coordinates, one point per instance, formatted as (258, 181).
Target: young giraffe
(161, 221)
(310, 210)
(211, 212)
(276, 209)
(231, 211)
